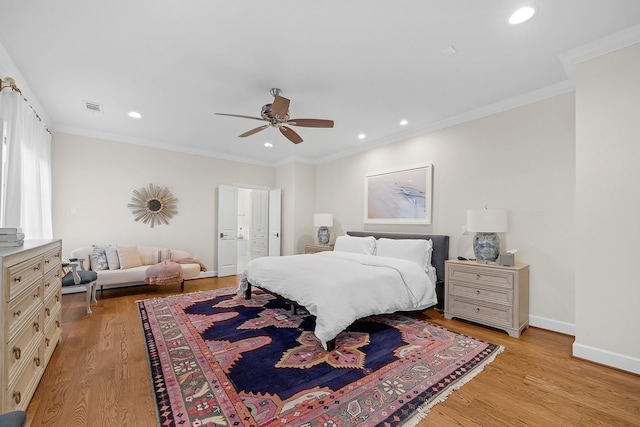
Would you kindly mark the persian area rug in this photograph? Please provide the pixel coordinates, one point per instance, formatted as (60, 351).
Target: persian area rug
(218, 359)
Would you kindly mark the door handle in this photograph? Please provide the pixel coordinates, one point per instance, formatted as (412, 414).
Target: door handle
(222, 235)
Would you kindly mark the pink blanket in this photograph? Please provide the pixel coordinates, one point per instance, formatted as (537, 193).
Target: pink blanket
(164, 273)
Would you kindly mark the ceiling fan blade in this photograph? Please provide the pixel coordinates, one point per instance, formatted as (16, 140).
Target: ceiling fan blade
(291, 135)
(311, 123)
(241, 116)
(252, 131)
(280, 107)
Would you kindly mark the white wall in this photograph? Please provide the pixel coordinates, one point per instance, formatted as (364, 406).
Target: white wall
(297, 181)
(93, 181)
(522, 160)
(608, 178)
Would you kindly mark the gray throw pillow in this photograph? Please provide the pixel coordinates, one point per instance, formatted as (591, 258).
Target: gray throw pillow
(99, 259)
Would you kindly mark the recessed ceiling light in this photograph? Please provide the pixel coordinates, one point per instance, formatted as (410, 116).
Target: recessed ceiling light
(521, 15)
(362, 136)
(403, 122)
(268, 144)
(135, 115)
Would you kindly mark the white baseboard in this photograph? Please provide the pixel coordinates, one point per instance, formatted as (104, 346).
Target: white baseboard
(605, 357)
(552, 325)
(204, 274)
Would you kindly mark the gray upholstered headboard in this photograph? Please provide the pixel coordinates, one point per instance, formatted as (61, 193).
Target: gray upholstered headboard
(440, 246)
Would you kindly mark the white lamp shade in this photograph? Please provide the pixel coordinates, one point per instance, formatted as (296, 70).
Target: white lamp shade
(323, 220)
(487, 220)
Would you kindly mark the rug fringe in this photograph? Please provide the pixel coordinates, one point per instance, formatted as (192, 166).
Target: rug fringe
(423, 411)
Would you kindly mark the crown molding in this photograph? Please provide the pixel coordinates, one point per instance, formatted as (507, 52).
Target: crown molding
(619, 40)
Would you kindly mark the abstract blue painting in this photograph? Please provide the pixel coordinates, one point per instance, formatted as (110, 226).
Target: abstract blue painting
(401, 196)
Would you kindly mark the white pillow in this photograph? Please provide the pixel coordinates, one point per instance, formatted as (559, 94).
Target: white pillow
(359, 245)
(128, 256)
(112, 257)
(416, 250)
(152, 255)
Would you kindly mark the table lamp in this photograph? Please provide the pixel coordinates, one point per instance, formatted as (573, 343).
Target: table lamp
(323, 220)
(486, 223)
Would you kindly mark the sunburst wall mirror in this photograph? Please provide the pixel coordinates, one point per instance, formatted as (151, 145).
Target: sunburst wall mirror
(153, 205)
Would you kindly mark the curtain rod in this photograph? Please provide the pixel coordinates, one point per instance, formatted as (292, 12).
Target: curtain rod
(10, 83)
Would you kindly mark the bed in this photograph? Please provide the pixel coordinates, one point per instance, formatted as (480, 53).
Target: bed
(366, 274)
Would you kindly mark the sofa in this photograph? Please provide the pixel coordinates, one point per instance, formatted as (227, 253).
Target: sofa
(126, 265)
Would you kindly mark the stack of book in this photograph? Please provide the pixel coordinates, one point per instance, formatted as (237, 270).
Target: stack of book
(11, 237)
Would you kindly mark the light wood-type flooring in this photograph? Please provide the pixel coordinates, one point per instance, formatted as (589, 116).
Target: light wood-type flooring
(99, 375)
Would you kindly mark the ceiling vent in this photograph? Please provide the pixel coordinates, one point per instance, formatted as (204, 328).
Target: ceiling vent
(94, 107)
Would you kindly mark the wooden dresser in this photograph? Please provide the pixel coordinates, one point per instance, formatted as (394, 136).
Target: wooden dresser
(488, 294)
(31, 317)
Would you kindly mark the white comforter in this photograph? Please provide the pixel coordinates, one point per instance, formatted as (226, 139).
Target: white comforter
(341, 287)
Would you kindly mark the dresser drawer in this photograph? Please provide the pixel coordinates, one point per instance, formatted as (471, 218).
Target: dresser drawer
(24, 385)
(28, 337)
(23, 275)
(52, 259)
(22, 307)
(51, 306)
(52, 282)
(472, 310)
(493, 277)
(479, 292)
(53, 333)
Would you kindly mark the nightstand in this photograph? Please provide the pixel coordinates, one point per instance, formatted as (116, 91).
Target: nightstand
(312, 249)
(488, 294)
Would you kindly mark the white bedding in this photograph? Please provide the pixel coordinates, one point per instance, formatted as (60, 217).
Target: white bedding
(341, 287)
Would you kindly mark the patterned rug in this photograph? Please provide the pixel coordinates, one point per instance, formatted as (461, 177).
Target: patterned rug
(217, 359)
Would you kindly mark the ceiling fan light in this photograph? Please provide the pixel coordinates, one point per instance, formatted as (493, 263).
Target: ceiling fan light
(403, 122)
(268, 144)
(135, 115)
(521, 15)
(362, 136)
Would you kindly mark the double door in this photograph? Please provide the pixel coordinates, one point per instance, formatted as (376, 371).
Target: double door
(264, 235)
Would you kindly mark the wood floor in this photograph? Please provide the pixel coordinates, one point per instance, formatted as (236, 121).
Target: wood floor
(99, 375)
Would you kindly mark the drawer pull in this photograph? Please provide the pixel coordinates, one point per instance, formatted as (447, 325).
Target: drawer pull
(17, 313)
(48, 311)
(17, 397)
(36, 295)
(46, 285)
(478, 292)
(57, 323)
(477, 276)
(47, 341)
(36, 326)
(46, 261)
(18, 279)
(477, 309)
(17, 353)
(36, 360)
(36, 268)
(57, 297)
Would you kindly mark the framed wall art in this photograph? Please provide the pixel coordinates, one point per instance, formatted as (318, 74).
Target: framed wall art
(401, 196)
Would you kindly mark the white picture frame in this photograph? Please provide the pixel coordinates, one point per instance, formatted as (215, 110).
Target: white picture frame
(399, 196)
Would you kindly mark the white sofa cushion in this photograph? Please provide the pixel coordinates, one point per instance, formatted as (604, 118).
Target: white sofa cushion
(150, 255)
(128, 256)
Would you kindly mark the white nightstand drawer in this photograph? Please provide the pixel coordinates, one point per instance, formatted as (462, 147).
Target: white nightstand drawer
(482, 275)
(471, 310)
(494, 294)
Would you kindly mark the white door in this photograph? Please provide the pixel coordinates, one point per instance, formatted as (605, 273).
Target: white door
(275, 212)
(227, 230)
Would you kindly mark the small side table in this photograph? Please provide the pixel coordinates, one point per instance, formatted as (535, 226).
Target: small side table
(312, 249)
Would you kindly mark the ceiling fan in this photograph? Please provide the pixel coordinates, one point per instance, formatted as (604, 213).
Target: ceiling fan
(276, 115)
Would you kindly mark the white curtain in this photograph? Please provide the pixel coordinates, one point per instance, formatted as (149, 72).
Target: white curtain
(26, 167)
